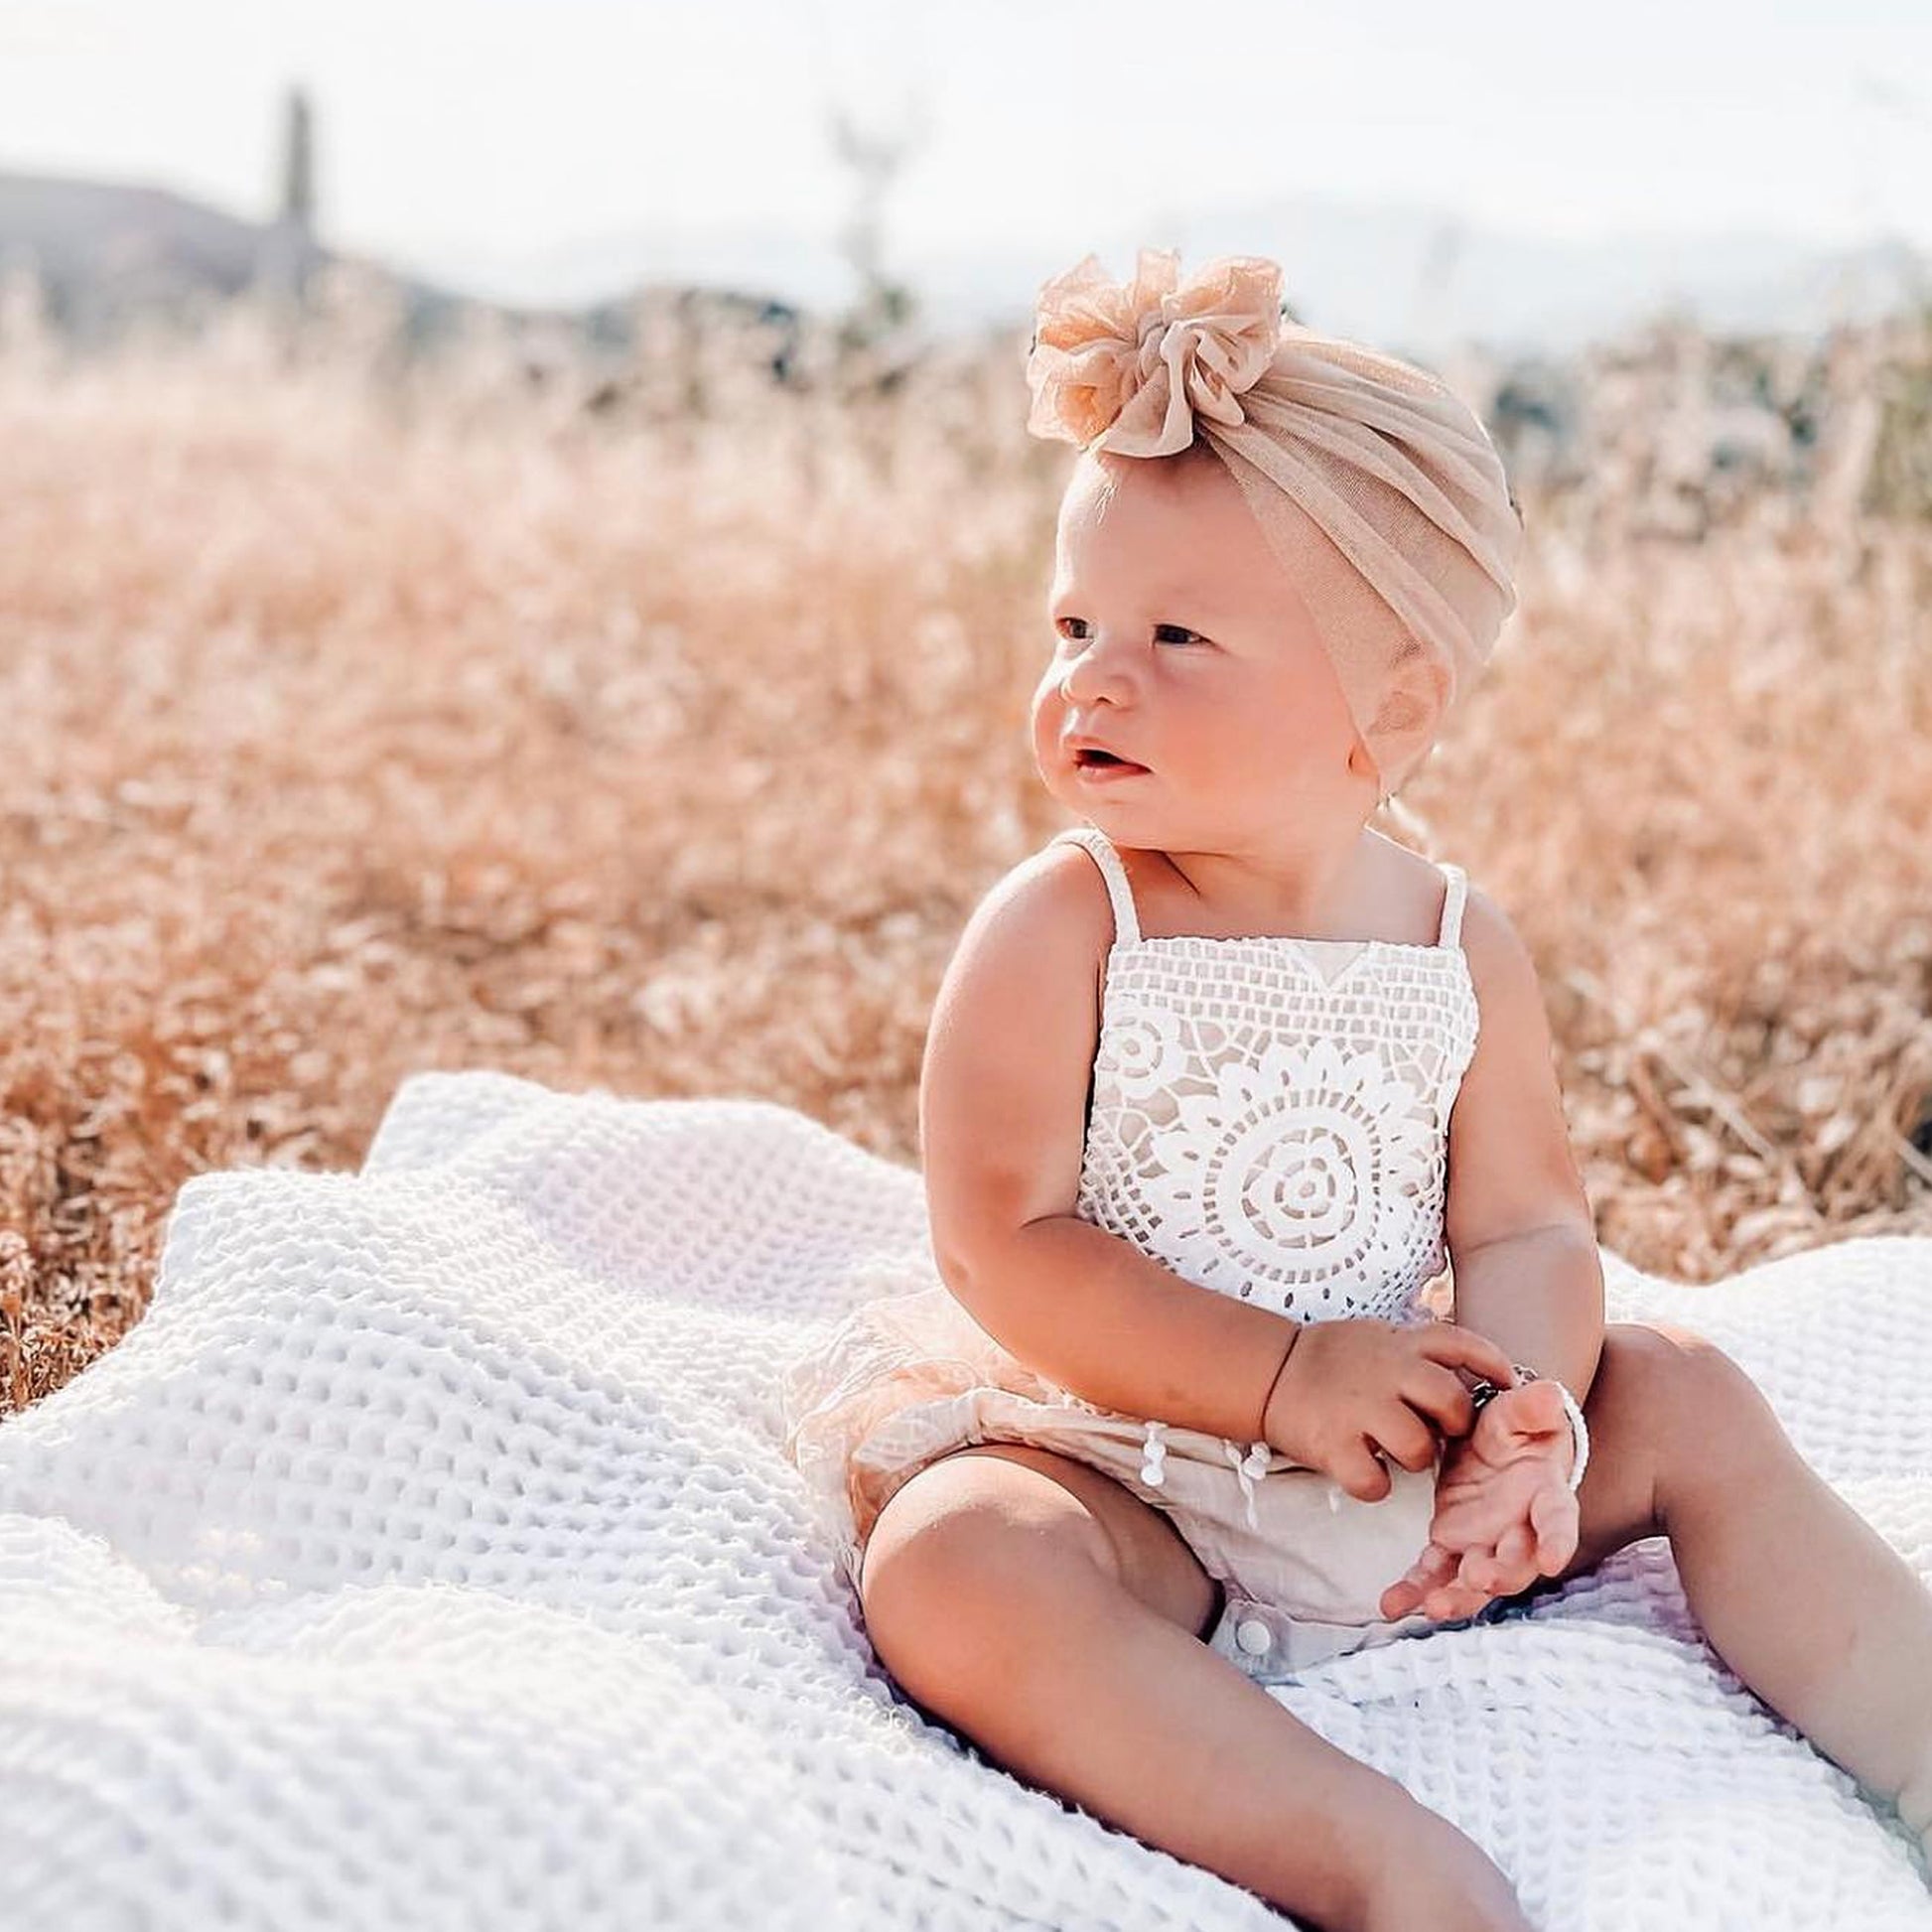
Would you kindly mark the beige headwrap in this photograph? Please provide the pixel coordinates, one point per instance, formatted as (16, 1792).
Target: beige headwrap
(1377, 487)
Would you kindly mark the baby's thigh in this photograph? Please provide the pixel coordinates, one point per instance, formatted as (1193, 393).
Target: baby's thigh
(969, 1516)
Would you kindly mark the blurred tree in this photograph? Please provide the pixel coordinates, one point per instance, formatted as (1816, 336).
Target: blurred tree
(876, 74)
(883, 307)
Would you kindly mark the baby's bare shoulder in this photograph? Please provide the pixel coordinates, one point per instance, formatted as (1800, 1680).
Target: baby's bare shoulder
(1508, 986)
(1050, 912)
(1003, 1089)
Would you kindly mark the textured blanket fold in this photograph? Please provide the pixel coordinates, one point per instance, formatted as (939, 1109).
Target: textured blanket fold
(427, 1555)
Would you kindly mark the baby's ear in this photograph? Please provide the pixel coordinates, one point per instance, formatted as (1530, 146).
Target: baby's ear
(1409, 713)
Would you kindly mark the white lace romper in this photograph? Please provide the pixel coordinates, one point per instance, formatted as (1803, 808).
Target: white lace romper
(1268, 1117)
(1270, 1114)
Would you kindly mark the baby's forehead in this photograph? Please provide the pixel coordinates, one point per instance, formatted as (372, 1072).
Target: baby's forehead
(1165, 580)
(1161, 505)
(1151, 564)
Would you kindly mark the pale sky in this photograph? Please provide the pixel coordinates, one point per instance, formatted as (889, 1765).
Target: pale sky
(504, 126)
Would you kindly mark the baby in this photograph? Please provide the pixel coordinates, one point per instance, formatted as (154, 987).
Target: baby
(1217, 1083)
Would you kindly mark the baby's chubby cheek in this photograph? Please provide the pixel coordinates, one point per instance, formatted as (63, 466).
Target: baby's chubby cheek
(1048, 722)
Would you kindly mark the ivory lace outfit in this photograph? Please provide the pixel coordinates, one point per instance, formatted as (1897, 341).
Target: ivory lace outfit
(1268, 1117)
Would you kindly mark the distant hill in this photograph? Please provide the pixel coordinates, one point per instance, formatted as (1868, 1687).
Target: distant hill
(146, 239)
(1414, 279)
(107, 252)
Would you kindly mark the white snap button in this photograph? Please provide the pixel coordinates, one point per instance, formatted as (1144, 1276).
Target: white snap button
(1253, 1636)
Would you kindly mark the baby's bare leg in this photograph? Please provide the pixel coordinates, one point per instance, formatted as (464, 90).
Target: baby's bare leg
(1798, 1593)
(1050, 1616)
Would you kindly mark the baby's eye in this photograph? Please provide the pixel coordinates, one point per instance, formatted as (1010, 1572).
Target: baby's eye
(1062, 624)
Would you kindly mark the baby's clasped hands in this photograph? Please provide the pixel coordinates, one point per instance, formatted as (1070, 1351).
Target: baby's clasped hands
(1351, 1392)
(1505, 1513)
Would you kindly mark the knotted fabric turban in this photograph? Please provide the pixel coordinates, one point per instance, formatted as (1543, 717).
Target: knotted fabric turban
(1375, 485)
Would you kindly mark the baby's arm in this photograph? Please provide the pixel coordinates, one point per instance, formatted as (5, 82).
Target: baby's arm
(1527, 1273)
(1522, 1241)
(1002, 1127)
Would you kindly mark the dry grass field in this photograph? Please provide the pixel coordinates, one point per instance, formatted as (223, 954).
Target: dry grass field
(363, 719)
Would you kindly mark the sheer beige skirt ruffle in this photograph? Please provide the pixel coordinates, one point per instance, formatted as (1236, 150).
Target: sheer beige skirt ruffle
(907, 1378)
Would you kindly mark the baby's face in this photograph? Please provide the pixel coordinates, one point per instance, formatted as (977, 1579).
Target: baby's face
(1179, 644)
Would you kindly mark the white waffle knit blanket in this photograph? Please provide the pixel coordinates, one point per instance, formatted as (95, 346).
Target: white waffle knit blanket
(426, 1556)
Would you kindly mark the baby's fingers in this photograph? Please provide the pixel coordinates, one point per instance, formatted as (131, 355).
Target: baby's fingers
(1467, 1592)
(1431, 1570)
(1451, 1343)
(1558, 1522)
(1515, 1566)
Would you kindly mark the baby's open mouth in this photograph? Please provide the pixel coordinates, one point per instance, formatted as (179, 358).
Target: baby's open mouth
(1090, 756)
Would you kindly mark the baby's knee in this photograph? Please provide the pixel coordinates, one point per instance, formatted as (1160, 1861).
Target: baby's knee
(1696, 1367)
(960, 1562)
(1692, 1396)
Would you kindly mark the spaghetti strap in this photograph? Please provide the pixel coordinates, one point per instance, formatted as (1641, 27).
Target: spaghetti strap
(1127, 924)
(1451, 932)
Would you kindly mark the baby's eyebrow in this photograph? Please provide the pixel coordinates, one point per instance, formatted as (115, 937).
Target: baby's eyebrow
(1163, 595)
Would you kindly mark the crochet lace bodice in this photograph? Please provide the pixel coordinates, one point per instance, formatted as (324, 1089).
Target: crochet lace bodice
(1270, 1116)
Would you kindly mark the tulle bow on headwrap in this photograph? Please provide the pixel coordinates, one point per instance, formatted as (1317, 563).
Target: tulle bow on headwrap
(1374, 483)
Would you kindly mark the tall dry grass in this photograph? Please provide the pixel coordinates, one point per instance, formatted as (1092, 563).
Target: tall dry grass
(364, 717)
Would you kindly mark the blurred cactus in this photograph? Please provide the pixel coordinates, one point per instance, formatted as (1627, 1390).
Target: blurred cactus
(298, 164)
(288, 257)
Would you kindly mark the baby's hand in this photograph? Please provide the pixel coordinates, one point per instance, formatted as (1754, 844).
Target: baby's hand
(1504, 1510)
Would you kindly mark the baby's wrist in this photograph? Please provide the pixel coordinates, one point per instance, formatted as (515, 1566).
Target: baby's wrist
(1486, 1391)
(1268, 1400)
